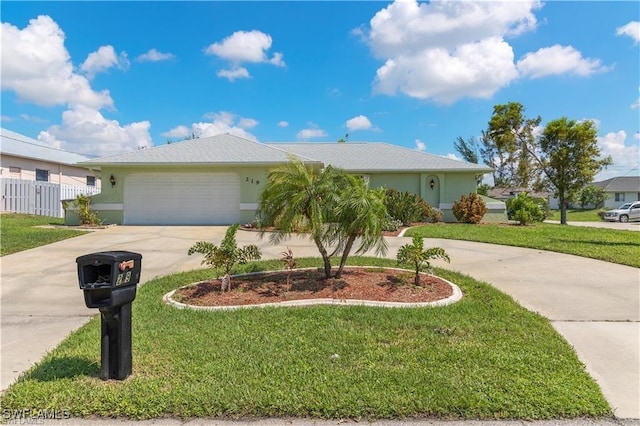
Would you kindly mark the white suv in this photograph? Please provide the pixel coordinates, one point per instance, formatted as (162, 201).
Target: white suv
(624, 213)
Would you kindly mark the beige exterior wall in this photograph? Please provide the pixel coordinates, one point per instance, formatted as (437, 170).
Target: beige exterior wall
(13, 167)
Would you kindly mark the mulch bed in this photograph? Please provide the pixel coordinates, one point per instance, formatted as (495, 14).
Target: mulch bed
(376, 284)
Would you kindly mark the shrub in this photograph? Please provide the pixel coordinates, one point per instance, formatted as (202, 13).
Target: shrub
(390, 224)
(526, 210)
(227, 255)
(415, 255)
(408, 207)
(82, 204)
(469, 209)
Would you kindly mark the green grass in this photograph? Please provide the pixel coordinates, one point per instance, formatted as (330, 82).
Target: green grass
(610, 245)
(577, 215)
(20, 232)
(484, 357)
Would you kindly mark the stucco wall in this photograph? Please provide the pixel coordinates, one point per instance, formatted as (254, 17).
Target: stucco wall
(58, 173)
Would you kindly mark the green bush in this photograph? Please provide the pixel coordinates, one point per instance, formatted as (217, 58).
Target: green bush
(526, 210)
(469, 209)
(390, 224)
(82, 204)
(408, 208)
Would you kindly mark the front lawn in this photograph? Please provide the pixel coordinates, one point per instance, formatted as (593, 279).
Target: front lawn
(484, 357)
(611, 245)
(22, 232)
(577, 215)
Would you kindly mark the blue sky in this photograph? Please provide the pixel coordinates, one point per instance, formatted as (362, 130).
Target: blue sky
(101, 78)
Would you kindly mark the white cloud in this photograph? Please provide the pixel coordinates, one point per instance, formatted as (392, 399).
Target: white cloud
(420, 146)
(360, 122)
(313, 131)
(244, 47)
(474, 70)
(154, 55)
(103, 59)
(556, 60)
(283, 123)
(247, 123)
(221, 122)
(637, 136)
(446, 50)
(85, 130)
(6, 118)
(452, 156)
(632, 29)
(177, 132)
(624, 156)
(234, 73)
(37, 67)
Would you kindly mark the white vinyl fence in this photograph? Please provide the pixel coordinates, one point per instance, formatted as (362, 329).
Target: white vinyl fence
(39, 198)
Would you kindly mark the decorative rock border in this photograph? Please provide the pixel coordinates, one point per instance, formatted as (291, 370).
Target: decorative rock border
(456, 296)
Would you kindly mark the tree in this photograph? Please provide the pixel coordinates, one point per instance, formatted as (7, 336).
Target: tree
(227, 255)
(467, 149)
(415, 255)
(360, 213)
(507, 146)
(335, 207)
(592, 194)
(296, 198)
(569, 157)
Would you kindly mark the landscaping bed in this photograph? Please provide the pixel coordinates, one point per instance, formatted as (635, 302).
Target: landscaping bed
(377, 284)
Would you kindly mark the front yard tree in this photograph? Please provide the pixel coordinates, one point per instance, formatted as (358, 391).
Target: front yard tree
(296, 198)
(360, 213)
(507, 144)
(570, 158)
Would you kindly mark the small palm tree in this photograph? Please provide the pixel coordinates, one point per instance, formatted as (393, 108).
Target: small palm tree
(298, 197)
(289, 263)
(360, 213)
(415, 255)
(227, 255)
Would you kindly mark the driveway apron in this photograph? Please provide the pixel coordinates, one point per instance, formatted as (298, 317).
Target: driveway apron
(595, 305)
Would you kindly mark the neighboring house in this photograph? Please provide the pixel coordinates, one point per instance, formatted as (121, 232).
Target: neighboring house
(620, 190)
(28, 159)
(218, 180)
(35, 177)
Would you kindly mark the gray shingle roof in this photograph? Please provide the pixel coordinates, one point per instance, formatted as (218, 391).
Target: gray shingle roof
(225, 149)
(620, 184)
(377, 157)
(22, 146)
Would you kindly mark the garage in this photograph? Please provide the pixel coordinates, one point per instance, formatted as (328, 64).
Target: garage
(182, 199)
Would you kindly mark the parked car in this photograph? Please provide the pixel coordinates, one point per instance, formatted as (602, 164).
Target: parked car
(624, 213)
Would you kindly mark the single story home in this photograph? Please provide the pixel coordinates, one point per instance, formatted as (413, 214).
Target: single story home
(620, 190)
(217, 180)
(28, 159)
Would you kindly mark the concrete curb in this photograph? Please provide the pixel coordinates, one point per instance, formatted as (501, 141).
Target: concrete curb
(456, 296)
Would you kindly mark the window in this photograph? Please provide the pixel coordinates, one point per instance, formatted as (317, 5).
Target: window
(620, 196)
(91, 181)
(42, 175)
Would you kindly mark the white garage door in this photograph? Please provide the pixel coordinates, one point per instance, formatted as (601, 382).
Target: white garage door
(182, 199)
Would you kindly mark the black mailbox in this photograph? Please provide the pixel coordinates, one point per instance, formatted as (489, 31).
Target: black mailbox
(109, 278)
(109, 281)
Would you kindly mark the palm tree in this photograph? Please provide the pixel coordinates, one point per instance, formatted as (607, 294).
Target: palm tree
(359, 214)
(297, 197)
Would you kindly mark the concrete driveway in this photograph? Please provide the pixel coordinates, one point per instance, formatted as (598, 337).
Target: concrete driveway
(595, 305)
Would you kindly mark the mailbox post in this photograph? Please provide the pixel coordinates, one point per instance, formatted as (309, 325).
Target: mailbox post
(109, 281)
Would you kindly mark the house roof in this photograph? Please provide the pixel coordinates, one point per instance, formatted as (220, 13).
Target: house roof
(228, 149)
(376, 157)
(22, 146)
(225, 149)
(620, 184)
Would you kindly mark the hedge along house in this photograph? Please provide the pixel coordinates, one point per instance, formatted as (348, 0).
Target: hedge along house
(218, 180)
